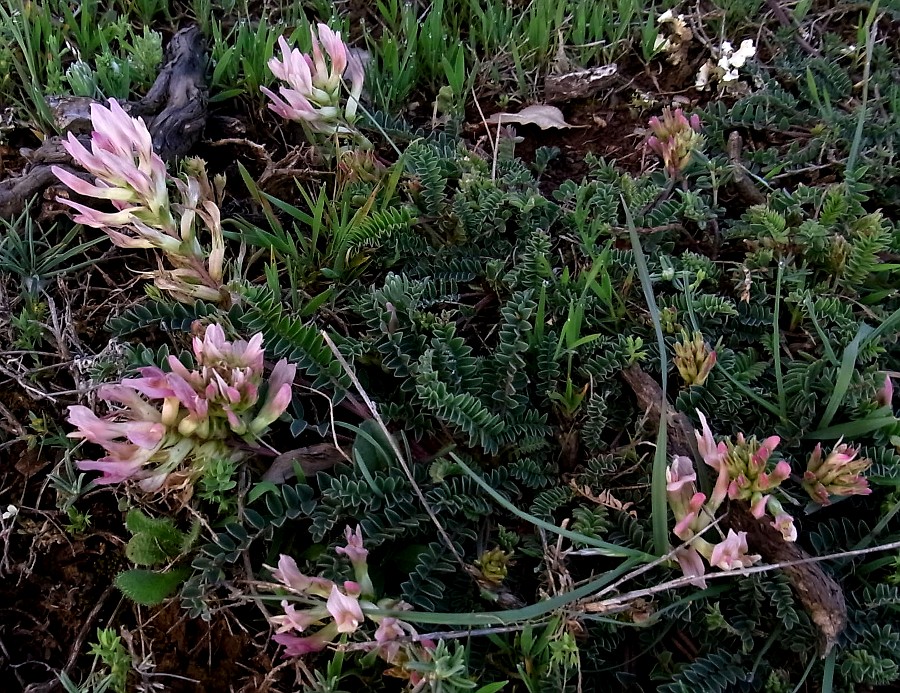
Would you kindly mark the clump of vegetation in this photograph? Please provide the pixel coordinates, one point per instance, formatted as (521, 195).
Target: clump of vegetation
(410, 402)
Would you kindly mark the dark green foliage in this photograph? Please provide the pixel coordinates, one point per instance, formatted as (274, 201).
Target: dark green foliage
(170, 317)
(289, 337)
(716, 672)
(487, 317)
(426, 586)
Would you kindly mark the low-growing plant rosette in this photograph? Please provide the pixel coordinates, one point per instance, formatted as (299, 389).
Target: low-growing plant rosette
(339, 610)
(172, 424)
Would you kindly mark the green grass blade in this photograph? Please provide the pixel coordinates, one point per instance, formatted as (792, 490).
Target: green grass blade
(828, 673)
(776, 342)
(854, 429)
(607, 548)
(658, 502)
(826, 343)
(848, 367)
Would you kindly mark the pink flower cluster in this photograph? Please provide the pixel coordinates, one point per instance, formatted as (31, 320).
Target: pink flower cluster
(202, 410)
(838, 474)
(133, 178)
(743, 466)
(675, 138)
(742, 474)
(339, 609)
(693, 516)
(313, 92)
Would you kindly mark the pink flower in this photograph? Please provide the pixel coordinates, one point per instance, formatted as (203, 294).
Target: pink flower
(345, 610)
(296, 646)
(297, 620)
(731, 552)
(114, 471)
(684, 528)
(389, 631)
(278, 398)
(357, 74)
(128, 172)
(354, 549)
(289, 575)
(691, 565)
(358, 556)
(133, 178)
(711, 452)
(784, 523)
(202, 410)
(214, 350)
(337, 52)
(313, 91)
(675, 139)
(885, 395)
(839, 474)
(146, 434)
(680, 473)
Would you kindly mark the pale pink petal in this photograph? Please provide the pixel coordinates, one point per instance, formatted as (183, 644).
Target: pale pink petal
(691, 565)
(345, 609)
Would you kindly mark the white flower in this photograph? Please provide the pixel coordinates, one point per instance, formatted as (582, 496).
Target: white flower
(747, 50)
(10, 512)
(730, 60)
(666, 16)
(703, 75)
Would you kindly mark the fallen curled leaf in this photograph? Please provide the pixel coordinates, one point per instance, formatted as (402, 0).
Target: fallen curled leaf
(543, 116)
(312, 459)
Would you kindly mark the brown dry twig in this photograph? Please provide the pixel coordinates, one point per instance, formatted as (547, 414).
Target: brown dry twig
(748, 192)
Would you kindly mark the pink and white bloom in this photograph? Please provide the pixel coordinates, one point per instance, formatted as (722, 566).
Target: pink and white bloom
(133, 178)
(128, 172)
(296, 646)
(731, 553)
(312, 94)
(675, 139)
(691, 565)
(181, 417)
(281, 384)
(358, 556)
(354, 549)
(712, 453)
(298, 620)
(345, 610)
(289, 575)
(784, 523)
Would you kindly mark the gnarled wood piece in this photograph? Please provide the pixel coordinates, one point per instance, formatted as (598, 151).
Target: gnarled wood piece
(312, 460)
(649, 396)
(175, 106)
(820, 595)
(174, 109)
(580, 84)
